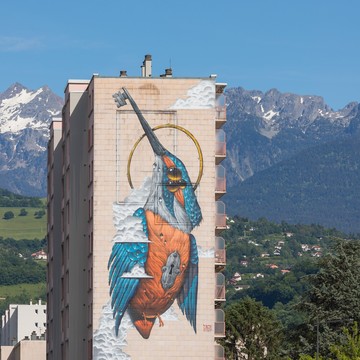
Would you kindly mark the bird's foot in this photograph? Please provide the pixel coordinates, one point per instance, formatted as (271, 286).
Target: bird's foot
(144, 316)
(161, 323)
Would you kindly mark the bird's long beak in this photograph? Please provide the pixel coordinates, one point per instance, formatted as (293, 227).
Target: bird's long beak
(153, 140)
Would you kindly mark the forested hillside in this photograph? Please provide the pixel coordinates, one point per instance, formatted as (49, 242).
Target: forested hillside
(291, 279)
(318, 185)
(9, 199)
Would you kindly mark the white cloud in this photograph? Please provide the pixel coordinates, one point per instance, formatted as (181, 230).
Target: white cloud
(18, 44)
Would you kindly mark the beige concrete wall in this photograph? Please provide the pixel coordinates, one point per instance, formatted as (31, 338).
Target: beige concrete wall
(5, 352)
(116, 131)
(24, 350)
(29, 350)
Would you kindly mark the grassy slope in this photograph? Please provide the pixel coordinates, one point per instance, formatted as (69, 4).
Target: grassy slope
(34, 290)
(22, 227)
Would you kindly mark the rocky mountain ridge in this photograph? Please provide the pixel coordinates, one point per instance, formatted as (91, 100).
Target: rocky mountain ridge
(266, 128)
(292, 158)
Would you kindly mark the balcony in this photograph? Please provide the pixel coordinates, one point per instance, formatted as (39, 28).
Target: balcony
(220, 182)
(220, 146)
(220, 116)
(220, 254)
(220, 288)
(219, 352)
(219, 326)
(220, 106)
(220, 217)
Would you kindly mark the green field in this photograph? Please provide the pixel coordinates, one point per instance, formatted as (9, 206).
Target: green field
(22, 227)
(33, 290)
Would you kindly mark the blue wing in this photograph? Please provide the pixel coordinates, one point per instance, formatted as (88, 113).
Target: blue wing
(123, 258)
(187, 298)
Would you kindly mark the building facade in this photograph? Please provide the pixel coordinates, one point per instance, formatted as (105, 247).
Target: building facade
(23, 321)
(134, 186)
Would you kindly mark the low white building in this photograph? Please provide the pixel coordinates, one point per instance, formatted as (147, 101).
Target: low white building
(23, 322)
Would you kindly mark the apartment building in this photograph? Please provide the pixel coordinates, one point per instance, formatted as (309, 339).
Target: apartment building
(134, 187)
(23, 332)
(23, 321)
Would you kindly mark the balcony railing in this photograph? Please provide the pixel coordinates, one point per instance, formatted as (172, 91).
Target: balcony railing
(220, 252)
(220, 220)
(220, 292)
(220, 116)
(220, 145)
(220, 148)
(220, 256)
(219, 352)
(219, 329)
(220, 288)
(220, 217)
(221, 112)
(219, 325)
(220, 182)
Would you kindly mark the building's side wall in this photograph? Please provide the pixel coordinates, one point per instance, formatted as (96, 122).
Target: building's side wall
(13, 325)
(55, 248)
(76, 223)
(189, 103)
(9, 326)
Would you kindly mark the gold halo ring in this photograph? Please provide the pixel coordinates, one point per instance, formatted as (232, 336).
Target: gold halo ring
(172, 126)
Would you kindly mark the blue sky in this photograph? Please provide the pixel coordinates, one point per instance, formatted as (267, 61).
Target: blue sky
(306, 47)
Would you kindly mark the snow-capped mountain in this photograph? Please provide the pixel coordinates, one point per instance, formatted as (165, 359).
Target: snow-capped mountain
(25, 116)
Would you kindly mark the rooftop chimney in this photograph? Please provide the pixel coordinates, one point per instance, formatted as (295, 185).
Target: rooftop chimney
(168, 73)
(146, 66)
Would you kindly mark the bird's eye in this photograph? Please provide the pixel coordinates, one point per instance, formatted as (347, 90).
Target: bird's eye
(173, 173)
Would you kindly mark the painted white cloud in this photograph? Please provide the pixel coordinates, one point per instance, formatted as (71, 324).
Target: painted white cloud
(136, 272)
(206, 253)
(201, 96)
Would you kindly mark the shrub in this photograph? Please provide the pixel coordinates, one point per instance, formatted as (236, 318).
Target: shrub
(8, 215)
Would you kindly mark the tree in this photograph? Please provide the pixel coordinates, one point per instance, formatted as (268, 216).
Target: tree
(252, 332)
(23, 212)
(334, 296)
(39, 214)
(348, 349)
(8, 215)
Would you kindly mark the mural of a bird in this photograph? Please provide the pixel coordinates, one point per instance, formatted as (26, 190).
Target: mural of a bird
(169, 258)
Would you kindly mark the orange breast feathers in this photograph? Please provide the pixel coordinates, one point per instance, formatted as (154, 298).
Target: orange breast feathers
(151, 298)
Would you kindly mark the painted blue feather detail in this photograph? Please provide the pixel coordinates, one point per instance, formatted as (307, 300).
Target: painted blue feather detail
(194, 257)
(140, 212)
(123, 258)
(187, 298)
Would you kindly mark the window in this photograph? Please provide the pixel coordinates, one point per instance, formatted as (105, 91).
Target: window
(91, 243)
(90, 278)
